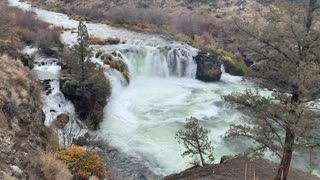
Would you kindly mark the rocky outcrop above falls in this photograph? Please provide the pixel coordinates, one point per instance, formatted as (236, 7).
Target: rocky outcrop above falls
(85, 85)
(115, 61)
(208, 67)
(89, 96)
(238, 167)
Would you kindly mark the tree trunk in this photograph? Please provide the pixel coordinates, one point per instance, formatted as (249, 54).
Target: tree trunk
(284, 167)
(200, 153)
(82, 62)
(202, 159)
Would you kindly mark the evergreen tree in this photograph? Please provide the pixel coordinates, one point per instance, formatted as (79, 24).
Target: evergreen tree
(83, 51)
(195, 139)
(287, 48)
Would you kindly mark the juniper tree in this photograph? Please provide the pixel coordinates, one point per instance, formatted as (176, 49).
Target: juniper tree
(86, 84)
(195, 139)
(286, 45)
(83, 51)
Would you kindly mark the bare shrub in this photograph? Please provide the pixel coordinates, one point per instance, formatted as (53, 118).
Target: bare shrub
(26, 35)
(93, 13)
(48, 38)
(192, 24)
(27, 20)
(125, 15)
(53, 168)
(133, 16)
(19, 26)
(155, 16)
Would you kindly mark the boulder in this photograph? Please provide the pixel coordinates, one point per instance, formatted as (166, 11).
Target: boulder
(116, 61)
(61, 121)
(106, 56)
(208, 67)
(233, 67)
(80, 141)
(224, 159)
(89, 97)
(118, 54)
(53, 52)
(16, 171)
(112, 40)
(70, 86)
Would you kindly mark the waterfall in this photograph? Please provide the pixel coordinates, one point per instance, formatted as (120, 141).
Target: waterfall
(161, 61)
(141, 119)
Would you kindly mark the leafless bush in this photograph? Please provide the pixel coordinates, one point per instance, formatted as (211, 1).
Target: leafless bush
(92, 13)
(192, 24)
(24, 26)
(133, 16)
(125, 15)
(27, 20)
(155, 16)
(53, 168)
(48, 38)
(27, 35)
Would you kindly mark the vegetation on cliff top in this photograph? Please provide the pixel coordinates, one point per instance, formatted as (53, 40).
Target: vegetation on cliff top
(84, 82)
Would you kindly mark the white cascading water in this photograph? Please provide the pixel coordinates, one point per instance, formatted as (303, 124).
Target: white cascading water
(141, 119)
(47, 72)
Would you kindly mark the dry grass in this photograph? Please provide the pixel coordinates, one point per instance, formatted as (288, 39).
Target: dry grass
(135, 16)
(18, 28)
(16, 82)
(53, 168)
(192, 24)
(97, 41)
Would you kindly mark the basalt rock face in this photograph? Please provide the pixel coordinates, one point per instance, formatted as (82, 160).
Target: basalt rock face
(22, 130)
(89, 97)
(208, 67)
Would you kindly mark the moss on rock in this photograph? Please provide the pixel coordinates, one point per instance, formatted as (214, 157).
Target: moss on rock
(115, 61)
(230, 62)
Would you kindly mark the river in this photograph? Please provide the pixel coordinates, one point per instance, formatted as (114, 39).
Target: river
(141, 118)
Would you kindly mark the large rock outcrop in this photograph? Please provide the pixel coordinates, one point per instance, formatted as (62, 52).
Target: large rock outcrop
(208, 67)
(115, 61)
(233, 67)
(89, 96)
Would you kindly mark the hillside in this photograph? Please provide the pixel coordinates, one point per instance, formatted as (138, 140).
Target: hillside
(22, 130)
(175, 7)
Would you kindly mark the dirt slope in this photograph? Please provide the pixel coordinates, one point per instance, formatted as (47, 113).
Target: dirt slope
(239, 168)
